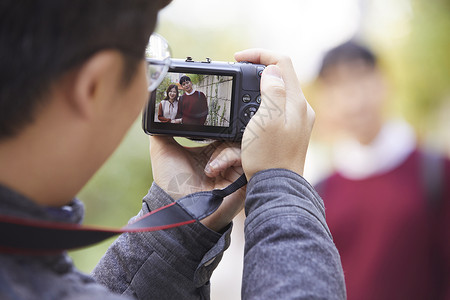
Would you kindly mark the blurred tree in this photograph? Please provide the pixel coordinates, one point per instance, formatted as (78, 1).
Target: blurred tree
(200, 43)
(424, 63)
(161, 89)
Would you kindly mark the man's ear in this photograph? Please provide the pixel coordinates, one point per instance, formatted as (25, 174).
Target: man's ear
(95, 83)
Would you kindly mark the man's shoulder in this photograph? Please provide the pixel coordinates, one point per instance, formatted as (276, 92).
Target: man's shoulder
(201, 95)
(195, 95)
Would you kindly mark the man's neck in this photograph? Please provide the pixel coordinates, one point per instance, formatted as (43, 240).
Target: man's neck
(393, 144)
(192, 91)
(36, 165)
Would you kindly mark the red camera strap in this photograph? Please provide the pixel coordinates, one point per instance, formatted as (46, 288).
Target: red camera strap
(18, 235)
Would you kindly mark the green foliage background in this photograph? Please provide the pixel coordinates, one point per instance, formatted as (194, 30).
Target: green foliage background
(420, 66)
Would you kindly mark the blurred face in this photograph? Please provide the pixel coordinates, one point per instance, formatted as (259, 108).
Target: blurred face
(172, 93)
(353, 96)
(187, 86)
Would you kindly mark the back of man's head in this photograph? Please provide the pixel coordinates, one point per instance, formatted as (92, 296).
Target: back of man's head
(347, 53)
(41, 40)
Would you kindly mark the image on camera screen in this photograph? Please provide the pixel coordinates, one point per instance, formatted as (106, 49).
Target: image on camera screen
(202, 101)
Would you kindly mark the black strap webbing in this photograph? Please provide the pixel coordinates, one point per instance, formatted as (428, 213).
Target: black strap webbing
(18, 235)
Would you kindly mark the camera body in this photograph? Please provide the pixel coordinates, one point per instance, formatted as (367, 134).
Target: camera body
(218, 106)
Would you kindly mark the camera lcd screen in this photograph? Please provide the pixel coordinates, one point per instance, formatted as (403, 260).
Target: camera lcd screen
(185, 103)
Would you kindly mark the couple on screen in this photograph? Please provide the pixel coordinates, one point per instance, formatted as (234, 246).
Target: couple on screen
(190, 108)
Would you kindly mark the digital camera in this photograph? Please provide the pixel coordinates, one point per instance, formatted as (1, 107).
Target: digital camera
(204, 100)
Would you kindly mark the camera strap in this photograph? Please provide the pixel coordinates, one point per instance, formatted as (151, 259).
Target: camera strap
(27, 236)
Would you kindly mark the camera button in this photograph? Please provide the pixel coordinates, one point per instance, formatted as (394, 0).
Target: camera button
(246, 98)
(258, 99)
(260, 70)
(249, 112)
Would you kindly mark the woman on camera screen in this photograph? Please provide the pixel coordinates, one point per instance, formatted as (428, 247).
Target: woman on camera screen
(168, 108)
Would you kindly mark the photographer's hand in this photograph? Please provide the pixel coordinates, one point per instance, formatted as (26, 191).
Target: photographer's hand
(278, 134)
(181, 171)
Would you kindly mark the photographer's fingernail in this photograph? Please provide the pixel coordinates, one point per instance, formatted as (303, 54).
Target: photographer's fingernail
(237, 53)
(209, 168)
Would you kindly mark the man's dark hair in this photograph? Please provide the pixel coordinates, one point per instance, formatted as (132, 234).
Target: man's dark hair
(348, 52)
(40, 40)
(184, 78)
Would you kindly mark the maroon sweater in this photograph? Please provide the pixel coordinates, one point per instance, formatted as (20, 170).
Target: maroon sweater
(193, 109)
(393, 244)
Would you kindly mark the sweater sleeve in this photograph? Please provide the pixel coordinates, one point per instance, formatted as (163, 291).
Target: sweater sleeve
(289, 251)
(175, 263)
(204, 103)
(179, 115)
(441, 251)
(161, 114)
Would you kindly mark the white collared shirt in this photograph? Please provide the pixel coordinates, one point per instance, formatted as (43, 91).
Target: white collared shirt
(169, 109)
(193, 91)
(394, 143)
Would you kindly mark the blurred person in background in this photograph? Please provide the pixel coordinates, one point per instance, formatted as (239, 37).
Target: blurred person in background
(387, 200)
